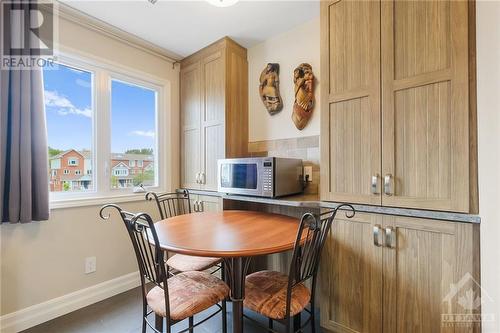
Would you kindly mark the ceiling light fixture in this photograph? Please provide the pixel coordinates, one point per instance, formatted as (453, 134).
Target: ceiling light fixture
(222, 3)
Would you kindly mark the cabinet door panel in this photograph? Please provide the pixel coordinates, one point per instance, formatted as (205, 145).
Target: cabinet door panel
(211, 204)
(213, 76)
(350, 144)
(190, 158)
(351, 276)
(427, 275)
(213, 140)
(190, 125)
(213, 150)
(425, 142)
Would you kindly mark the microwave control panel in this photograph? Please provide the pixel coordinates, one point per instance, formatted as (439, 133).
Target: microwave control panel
(267, 177)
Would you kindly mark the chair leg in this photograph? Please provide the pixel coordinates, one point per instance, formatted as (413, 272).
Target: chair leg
(313, 319)
(288, 324)
(159, 323)
(296, 322)
(144, 311)
(224, 316)
(271, 324)
(191, 323)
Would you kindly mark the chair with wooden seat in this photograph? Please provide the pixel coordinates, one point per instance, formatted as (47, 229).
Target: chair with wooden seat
(281, 297)
(174, 204)
(174, 298)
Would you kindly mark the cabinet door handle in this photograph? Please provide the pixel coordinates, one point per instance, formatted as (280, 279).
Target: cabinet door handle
(196, 209)
(374, 185)
(377, 235)
(197, 178)
(202, 178)
(202, 208)
(388, 184)
(390, 237)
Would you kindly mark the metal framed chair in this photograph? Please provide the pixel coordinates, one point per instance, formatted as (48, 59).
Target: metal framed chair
(282, 297)
(174, 204)
(174, 298)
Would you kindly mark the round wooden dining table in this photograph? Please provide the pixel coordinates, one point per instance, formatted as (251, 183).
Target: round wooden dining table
(233, 235)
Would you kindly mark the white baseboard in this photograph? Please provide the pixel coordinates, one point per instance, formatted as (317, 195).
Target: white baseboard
(40, 313)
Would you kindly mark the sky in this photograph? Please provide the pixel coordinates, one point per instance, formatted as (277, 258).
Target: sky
(68, 106)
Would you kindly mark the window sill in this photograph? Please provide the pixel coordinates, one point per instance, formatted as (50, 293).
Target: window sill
(96, 201)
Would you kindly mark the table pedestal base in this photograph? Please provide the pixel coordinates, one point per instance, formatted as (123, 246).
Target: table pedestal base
(236, 271)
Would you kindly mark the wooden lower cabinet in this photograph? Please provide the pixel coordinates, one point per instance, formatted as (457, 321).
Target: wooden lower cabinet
(205, 203)
(351, 276)
(210, 204)
(423, 274)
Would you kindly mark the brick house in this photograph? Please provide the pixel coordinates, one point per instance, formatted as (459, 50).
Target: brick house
(71, 170)
(126, 167)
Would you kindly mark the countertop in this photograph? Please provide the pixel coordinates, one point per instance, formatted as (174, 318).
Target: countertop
(313, 201)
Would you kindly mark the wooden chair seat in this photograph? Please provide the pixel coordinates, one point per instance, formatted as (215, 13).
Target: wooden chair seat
(183, 263)
(265, 293)
(189, 294)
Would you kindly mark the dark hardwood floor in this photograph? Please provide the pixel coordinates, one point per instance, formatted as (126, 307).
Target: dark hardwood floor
(122, 314)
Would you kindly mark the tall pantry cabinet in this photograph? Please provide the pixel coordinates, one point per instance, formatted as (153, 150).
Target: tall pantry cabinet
(214, 111)
(398, 130)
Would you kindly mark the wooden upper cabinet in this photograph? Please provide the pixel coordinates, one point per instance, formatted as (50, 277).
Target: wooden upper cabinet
(214, 111)
(190, 124)
(425, 105)
(350, 101)
(398, 119)
(213, 138)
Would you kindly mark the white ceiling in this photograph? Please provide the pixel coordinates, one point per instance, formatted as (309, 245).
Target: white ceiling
(184, 27)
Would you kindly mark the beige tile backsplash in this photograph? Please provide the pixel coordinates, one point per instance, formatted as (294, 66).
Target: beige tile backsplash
(305, 148)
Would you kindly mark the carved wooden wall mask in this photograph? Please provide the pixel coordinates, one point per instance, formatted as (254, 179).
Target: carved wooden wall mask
(269, 88)
(303, 78)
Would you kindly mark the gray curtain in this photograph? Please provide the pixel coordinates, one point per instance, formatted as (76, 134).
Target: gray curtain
(24, 189)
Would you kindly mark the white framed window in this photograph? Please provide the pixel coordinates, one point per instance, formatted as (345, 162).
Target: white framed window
(107, 106)
(131, 163)
(72, 161)
(54, 172)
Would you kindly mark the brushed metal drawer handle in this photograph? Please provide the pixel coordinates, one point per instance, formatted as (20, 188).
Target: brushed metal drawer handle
(390, 237)
(374, 185)
(388, 184)
(377, 234)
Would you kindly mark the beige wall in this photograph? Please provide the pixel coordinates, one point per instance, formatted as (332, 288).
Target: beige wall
(488, 93)
(41, 261)
(289, 49)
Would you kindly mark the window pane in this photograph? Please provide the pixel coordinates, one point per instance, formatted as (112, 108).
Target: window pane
(133, 143)
(68, 106)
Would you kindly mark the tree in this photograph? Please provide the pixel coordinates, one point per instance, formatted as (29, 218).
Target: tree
(114, 181)
(53, 152)
(145, 178)
(142, 151)
(66, 186)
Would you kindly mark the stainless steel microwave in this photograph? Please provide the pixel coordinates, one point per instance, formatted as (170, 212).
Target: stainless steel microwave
(260, 176)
